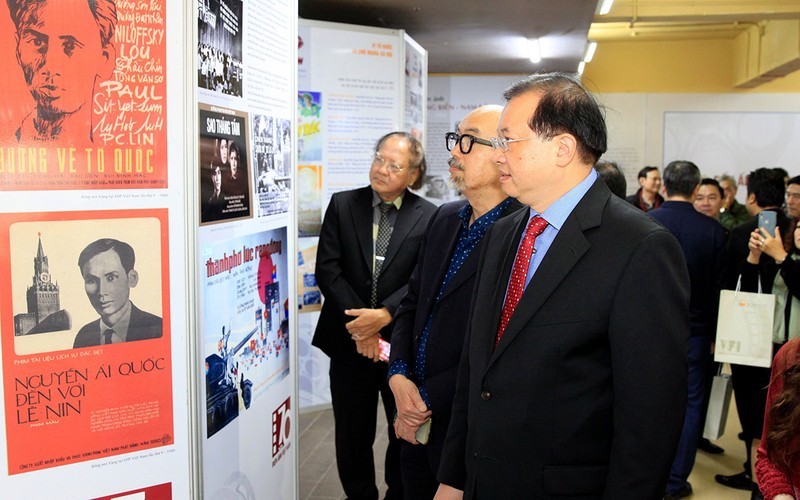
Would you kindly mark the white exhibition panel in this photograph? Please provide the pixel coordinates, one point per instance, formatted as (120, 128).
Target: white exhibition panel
(246, 337)
(355, 84)
(73, 196)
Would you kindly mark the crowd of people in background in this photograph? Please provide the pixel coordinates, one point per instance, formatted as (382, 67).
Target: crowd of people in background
(551, 337)
(729, 253)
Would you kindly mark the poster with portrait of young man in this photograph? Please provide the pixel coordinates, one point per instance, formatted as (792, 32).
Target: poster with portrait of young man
(85, 327)
(84, 94)
(225, 189)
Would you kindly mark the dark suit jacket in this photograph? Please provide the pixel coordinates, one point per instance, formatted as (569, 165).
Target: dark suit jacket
(585, 394)
(702, 240)
(344, 264)
(142, 326)
(446, 336)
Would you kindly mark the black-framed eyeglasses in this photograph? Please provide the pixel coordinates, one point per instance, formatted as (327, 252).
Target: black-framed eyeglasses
(464, 141)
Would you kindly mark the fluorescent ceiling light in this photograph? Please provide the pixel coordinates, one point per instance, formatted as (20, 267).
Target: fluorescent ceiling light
(581, 67)
(605, 7)
(590, 52)
(534, 53)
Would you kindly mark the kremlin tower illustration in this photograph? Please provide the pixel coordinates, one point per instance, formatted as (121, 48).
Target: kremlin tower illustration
(44, 302)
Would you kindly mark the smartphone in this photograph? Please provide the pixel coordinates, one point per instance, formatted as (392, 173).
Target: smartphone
(424, 432)
(768, 221)
(386, 349)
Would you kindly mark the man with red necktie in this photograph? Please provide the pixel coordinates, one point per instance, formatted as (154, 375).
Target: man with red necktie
(573, 380)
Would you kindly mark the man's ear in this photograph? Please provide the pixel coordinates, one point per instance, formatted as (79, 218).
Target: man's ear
(751, 199)
(133, 278)
(567, 149)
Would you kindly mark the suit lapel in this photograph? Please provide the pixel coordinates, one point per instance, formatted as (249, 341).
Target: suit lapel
(507, 243)
(567, 249)
(407, 218)
(449, 239)
(362, 214)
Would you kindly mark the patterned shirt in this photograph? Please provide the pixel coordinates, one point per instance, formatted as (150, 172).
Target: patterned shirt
(468, 238)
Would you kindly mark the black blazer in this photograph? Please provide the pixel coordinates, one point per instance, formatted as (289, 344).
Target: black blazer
(449, 325)
(142, 326)
(344, 263)
(586, 392)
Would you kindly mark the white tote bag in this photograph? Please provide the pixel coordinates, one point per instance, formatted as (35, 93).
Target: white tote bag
(744, 327)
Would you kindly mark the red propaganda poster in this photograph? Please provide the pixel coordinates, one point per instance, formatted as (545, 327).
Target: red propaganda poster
(85, 327)
(84, 94)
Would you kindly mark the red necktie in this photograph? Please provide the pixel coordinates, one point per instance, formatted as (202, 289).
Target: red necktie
(516, 285)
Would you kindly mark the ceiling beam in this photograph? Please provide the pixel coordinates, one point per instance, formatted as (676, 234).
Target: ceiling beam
(706, 11)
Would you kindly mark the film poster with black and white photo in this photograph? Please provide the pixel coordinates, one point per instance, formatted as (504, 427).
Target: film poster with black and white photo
(224, 170)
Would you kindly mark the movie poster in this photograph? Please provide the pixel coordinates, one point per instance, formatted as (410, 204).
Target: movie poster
(272, 149)
(87, 367)
(309, 126)
(84, 95)
(224, 166)
(245, 322)
(219, 52)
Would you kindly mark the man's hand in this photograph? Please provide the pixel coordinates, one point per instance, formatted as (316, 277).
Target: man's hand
(367, 322)
(370, 348)
(411, 409)
(446, 492)
(405, 432)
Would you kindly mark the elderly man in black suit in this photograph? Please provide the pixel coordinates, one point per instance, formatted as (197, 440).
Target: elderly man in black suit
(573, 378)
(432, 318)
(367, 250)
(107, 267)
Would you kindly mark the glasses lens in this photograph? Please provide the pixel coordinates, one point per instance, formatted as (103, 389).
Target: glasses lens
(498, 143)
(465, 143)
(450, 140)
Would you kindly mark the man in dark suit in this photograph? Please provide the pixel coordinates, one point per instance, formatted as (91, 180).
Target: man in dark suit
(573, 385)
(107, 267)
(429, 325)
(368, 247)
(702, 240)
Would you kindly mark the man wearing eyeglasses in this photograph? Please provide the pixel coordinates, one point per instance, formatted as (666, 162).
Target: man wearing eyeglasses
(432, 317)
(573, 380)
(368, 247)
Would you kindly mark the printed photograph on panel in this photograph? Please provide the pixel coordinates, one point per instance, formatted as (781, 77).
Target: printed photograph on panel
(245, 322)
(309, 200)
(309, 297)
(85, 335)
(272, 149)
(224, 166)
(219, 50)
(84, 96)
(309, 126)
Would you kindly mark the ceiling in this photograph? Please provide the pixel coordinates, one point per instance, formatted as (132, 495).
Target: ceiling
(490, 36)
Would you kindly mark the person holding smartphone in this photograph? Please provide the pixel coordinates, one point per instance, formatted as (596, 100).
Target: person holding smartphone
(759, 271)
